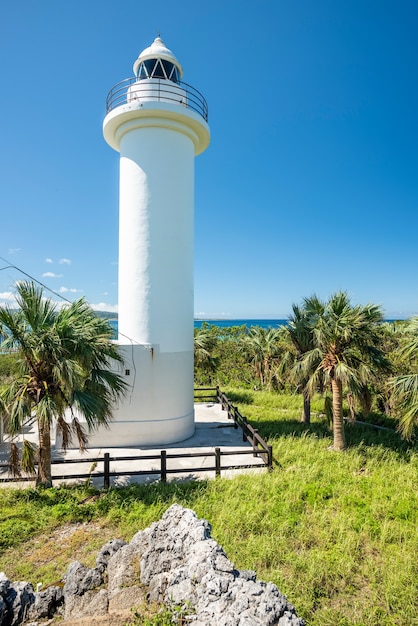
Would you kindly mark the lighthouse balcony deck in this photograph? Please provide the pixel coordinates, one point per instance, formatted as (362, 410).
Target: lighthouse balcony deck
(156, 90)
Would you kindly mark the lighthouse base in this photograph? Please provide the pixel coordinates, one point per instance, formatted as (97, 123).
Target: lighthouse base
(125, 434)
(158, 408)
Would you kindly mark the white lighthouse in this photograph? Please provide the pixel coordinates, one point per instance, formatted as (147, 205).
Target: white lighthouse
(158, 124)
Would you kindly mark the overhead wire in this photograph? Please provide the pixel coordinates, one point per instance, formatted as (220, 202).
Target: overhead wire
(32, 278)
(36, 280)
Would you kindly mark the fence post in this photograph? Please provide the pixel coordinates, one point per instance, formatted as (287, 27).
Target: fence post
(234, 417)
(163, 466)
(270, 458)
(244, 429)
(217, 461)
(106, 470)
(255, 450)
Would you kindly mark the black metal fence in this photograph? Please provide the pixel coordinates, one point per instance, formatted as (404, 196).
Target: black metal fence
(159, 464)
(249, 433)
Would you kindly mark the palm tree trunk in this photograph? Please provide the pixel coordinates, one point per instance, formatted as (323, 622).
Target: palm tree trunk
(366, 401)
(337, 411)
(44, 477)
(351, 408)
(306, 411)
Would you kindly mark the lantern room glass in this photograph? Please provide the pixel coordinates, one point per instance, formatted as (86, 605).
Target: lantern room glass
(158, 68)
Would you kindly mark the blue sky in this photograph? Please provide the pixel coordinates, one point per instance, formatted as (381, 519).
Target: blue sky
(310, 182)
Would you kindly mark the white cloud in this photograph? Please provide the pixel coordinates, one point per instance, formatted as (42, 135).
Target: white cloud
(7, 298)
(65, 261)
(70, 290)
(51, 275)
(48, 260)
(102, 306)
(14, 250)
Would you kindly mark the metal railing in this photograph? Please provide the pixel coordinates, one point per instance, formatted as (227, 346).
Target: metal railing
(249, 433)
(159, 90)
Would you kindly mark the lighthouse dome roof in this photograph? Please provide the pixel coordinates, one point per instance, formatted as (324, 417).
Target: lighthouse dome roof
(157, 51)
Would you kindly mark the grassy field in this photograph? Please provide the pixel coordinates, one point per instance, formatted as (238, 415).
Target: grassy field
(337, 532)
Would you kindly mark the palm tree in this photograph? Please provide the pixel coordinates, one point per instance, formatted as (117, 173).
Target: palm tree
(345, 353)
(261, 347)
(300, 332)
(64, 360)
(405, 387)
(205, 343)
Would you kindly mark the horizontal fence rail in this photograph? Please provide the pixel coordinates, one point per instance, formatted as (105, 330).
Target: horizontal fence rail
(133, 90)
(249, 433)
(100, 467)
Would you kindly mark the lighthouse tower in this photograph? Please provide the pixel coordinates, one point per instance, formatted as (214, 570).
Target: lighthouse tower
(158, 124)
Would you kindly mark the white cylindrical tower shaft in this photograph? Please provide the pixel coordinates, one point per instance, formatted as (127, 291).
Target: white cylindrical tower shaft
(156, 238)
(158, 125)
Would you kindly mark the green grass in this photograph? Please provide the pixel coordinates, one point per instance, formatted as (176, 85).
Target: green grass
(337, 532)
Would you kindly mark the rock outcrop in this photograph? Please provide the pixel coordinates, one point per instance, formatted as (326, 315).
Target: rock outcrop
(19, 604)
(175, 562)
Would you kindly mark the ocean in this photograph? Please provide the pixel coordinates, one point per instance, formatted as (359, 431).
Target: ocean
(228, 323)
(241, 322)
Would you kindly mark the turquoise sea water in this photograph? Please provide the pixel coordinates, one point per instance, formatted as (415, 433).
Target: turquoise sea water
(235, 322)
(241, 322)
(228, 323)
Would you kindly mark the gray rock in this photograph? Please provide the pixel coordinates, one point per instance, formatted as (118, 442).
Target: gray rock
(126, 597)
(90, 604)
(107, 552)
(18, 599)
(3, 609)
(4, 584)
(182, 563)
(46, 603)
(4, 587)
(123, 574)
(123, 567)
(175, 561)
(80, 595)
(246, 574)
(141, 539)
(80, 579)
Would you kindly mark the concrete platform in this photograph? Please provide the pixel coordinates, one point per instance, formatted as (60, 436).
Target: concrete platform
(213, 430)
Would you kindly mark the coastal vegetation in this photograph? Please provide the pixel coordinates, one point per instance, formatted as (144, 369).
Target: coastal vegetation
(331, 348)
(337, 533)
(61, 363)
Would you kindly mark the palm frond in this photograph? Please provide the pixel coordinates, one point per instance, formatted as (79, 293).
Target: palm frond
(29, 452)
(80, 433)
(65, 429)
(405, 394)
(410, 349)
(14, 460)
(95, 408)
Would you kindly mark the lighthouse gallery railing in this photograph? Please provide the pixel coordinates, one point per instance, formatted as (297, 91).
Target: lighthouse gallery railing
(131, 89)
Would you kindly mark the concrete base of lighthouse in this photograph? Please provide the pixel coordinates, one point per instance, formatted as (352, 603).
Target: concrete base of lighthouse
(158, 408)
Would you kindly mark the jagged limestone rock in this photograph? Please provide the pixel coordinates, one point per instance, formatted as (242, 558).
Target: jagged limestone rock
(18, 599)
(175, 560)
(46, 603)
